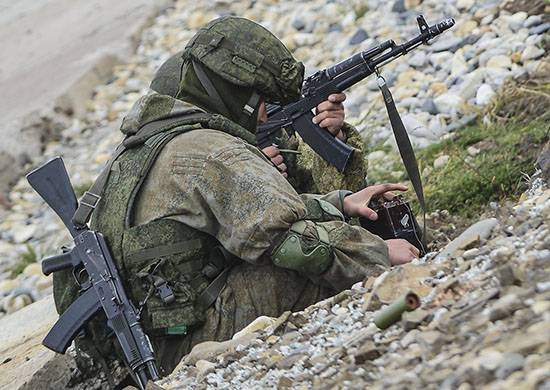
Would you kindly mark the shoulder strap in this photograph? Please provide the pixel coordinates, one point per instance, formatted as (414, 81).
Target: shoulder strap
(405, 148)
(91, 198)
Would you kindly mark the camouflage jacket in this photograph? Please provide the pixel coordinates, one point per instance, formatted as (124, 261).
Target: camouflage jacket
(221, 184)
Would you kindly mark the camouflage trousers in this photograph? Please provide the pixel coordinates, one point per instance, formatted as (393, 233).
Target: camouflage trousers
(251, 291)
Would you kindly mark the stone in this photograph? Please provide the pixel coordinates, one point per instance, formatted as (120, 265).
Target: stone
(409, 338)
(450, 44)
(7, 285)
(298, 24)
(531, 53)
(533, 20)
(484, 95)
(504, 307)
(466, 28)
(14, 303)
(414, 319)
(25, 363)
(510, 362)
(470, 84)
(394, 283)
(33, 269)
(399, 6)
(204, 367)
(429, 107)
(368, 351)
(540, 29)
(359, 36)
(472, 151)
(464, 5)
(431, 340)
(474, 234)
(418, 60)
(499, 61)
(449, 103)
(441, 161)
(255, 326)
(209, 350)
(515, 21)
(23, 233)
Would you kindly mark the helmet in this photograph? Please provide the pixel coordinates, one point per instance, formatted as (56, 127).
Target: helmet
(246, 54)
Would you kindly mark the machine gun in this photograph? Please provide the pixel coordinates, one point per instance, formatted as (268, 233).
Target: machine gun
(296, 117)
(103, 289)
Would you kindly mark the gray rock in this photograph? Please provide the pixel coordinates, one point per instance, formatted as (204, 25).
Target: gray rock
(479, 231)
(418, 59)
(484, 94)
(533, 20)
(298, 24)
(25, 361)
(531, 53)
(540, 29)
(448, 103)
(510, 362)
(470, 84)
(429, 106)
(451, 44)
(368, 351)
(399, 6)
(441, 161)
(335, 27)
(359, 36)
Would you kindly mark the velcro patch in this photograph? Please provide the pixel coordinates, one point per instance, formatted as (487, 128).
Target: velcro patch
(243, 64)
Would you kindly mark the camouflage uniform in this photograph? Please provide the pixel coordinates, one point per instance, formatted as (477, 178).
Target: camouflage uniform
(204, 181)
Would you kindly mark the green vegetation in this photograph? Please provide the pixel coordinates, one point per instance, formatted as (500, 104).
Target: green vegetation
(25, 258)
(360, 10)
(486, 163)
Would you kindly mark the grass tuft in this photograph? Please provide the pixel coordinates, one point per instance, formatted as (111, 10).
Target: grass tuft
(25, 258)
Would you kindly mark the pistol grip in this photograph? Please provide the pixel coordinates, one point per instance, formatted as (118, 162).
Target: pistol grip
(56, 263)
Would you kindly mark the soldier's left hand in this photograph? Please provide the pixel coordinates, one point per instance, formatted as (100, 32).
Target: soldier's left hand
(330, 114)
(357, 204)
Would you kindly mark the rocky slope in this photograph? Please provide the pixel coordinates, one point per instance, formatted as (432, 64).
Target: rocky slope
(438, 88)
(484, 323)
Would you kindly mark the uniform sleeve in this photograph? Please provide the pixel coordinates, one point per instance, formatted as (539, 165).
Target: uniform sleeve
(326, 178)
(222, 186)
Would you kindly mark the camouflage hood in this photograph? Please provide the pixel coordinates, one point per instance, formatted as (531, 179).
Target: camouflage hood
(153, 106)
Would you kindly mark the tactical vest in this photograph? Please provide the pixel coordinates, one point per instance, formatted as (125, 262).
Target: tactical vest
(165, 265)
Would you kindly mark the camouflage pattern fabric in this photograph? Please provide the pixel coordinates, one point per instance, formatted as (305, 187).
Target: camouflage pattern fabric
(247, 55)
(221, 185)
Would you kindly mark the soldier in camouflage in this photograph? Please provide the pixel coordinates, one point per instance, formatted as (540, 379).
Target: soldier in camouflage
(206, 231)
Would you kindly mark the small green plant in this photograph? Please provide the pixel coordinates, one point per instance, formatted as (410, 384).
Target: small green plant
(360, 10)
(25, 258)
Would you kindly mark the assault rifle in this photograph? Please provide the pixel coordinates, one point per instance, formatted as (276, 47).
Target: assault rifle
(103, 288)
(296, 117)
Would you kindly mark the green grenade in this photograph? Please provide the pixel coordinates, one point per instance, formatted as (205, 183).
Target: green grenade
(392, 314)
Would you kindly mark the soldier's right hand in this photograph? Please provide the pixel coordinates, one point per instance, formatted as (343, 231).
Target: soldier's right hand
(401, 251)
(274, 154)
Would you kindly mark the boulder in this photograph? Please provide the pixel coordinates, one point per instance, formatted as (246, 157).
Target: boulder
(25, 363)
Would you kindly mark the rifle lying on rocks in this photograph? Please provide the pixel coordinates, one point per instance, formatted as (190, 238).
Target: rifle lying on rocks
(296, 117)
(102, 290)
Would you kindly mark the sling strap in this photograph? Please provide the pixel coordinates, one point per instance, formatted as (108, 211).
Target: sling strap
(405, 149)
(91, 198)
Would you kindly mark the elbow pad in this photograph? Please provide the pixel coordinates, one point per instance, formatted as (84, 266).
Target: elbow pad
(306, 249)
